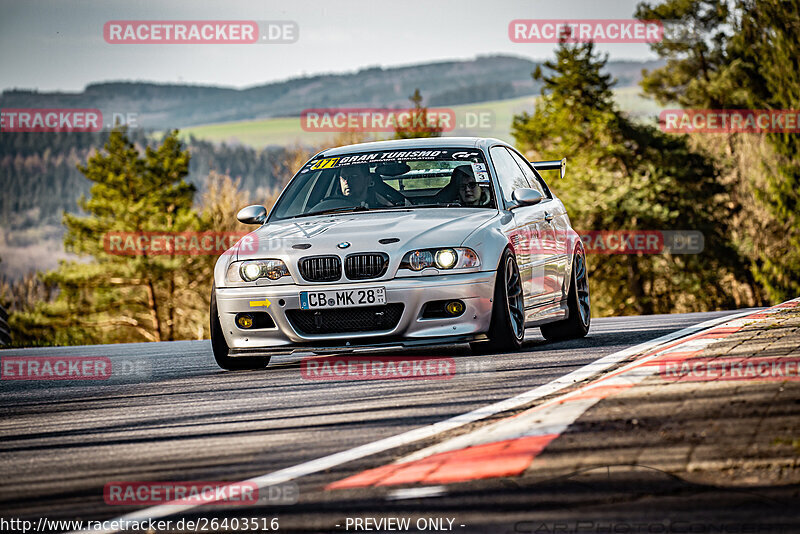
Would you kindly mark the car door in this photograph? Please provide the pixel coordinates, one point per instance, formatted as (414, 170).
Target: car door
(525, 233)
(552, 231)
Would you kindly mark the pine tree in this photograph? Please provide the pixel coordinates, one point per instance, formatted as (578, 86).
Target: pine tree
(700, 71)
(624, 175)
(770, 46)
(119, 297)
(744, 54)
(419, 125)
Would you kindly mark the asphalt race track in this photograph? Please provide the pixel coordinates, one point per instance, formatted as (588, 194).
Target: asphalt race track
(173, 415)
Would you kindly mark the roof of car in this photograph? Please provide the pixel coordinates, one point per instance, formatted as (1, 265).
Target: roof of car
(427, 142)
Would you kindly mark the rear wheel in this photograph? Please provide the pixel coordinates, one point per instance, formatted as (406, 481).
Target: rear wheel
(221, 349)
(507, 326)
(579, 317)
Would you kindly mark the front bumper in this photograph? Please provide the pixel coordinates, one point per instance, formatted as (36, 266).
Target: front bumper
(476, 290)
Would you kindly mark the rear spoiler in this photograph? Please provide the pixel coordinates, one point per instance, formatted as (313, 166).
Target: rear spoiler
(551, 165)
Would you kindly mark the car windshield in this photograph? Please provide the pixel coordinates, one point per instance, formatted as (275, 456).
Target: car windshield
(408, 179)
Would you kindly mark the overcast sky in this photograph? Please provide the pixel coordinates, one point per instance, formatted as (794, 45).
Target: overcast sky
(58, 44)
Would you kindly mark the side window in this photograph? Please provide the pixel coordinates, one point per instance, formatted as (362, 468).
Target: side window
(534, 181)
(508, 172)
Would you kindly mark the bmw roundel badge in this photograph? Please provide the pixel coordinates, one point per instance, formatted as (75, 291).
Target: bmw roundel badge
(343, 244)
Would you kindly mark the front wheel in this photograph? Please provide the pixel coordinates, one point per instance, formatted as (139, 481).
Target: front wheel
(507, 326)
(220, 346)
(579, 315)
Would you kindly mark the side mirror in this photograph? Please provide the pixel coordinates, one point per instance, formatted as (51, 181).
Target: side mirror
(252, 215)
(525, 197)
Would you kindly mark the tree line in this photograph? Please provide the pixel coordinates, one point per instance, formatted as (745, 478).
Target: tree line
(740, 189)
(41, 178)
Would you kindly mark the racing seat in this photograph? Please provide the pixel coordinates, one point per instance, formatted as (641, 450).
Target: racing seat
(383, 190)
(380, 194)
(448, 193)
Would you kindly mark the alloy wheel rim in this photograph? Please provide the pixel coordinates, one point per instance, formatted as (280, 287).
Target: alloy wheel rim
(514, 298)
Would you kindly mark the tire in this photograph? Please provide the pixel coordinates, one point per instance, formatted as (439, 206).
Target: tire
(507, 326)
(220, 346)
(579, 315)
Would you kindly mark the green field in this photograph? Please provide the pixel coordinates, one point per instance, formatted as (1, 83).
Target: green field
(485, 119)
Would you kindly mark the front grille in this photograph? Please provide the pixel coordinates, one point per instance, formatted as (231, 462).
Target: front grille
(343, 320)
(365, 266)
(321, 268)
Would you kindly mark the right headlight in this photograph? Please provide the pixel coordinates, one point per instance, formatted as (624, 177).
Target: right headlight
(252, 270)
(440, 258)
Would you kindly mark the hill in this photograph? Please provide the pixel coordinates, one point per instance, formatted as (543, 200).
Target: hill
(446, 83)
(484, 119)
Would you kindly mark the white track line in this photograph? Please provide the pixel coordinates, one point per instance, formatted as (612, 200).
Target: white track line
(392, 442)
(559, 413)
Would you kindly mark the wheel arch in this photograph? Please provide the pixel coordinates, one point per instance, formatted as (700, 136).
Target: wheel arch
(575, 245)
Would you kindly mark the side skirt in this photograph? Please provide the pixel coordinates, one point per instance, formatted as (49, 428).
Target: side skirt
(547, 313)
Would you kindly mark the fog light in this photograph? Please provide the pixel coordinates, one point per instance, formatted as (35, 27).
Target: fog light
(455, 307)
(244, 320)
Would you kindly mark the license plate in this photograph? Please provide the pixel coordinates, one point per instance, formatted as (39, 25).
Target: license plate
(345, 298)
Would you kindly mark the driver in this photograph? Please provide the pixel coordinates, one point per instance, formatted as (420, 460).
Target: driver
(360, 187)
(355, 181)
(470, 191)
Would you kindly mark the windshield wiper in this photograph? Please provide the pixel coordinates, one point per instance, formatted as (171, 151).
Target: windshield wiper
(344, 209)
(438, 205)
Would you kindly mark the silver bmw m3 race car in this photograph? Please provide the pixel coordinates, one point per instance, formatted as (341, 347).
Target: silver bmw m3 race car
(400, 244)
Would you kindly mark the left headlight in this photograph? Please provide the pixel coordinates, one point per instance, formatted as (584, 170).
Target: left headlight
(252, 270)
(440, 258)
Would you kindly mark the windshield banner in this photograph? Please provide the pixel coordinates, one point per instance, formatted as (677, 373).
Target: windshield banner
(435, 154)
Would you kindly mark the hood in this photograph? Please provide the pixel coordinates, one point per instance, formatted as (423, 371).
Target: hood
(407, 229)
